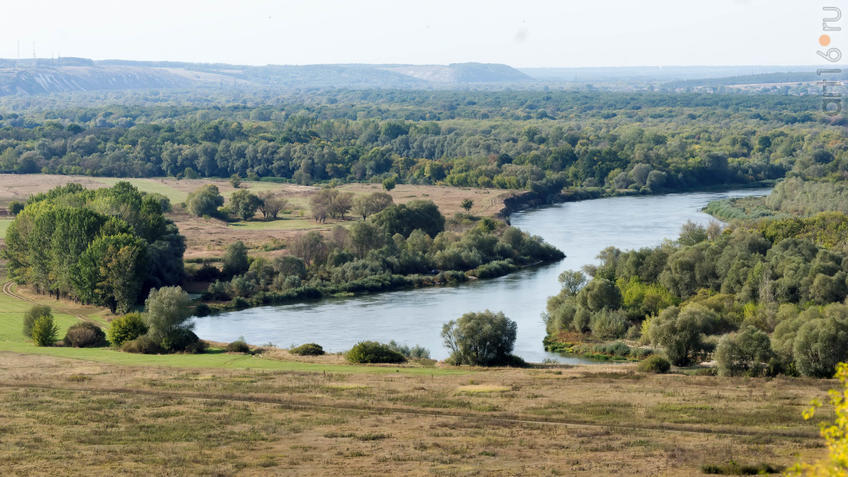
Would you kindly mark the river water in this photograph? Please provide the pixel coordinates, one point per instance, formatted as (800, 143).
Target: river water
(580, 229)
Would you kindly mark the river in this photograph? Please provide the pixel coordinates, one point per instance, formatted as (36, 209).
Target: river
(580, 229)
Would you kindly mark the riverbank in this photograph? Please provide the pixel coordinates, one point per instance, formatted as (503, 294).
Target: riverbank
(529, 199)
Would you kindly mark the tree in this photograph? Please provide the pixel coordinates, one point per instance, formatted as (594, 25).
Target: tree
(235, 180)
(271, 205)
(111, 271)
(389, 183)
(45, 331)
(819, 345)
(235, 259)
(404, 218)
(467, 204)
(244, 204)
(310, 247)
(330, 202)
(365, 237)
(572, 281)
(480, 339)
(167, 313)
(746, 353)
(204, 201)
(34, 313)
(679, 332)
(366, 205)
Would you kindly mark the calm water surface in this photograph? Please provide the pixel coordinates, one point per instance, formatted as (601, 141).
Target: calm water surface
(580, 229)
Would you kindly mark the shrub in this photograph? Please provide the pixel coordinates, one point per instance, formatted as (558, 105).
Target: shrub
(183, 339)
(126, 328)
(414, 352)
(85, 335)
(308, 349)
(373, 352)
(143, 344)
(44, 331)
(33, 314)
(655, 364)
(746, 353)
(480, 339)
(238, 346)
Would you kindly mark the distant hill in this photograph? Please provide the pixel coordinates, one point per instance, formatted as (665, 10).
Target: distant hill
(22, 77)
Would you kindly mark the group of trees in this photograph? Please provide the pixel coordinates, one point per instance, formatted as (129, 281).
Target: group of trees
(761, 298)
(400, 246)
(106, 247)
(207, 201)
(513, 140)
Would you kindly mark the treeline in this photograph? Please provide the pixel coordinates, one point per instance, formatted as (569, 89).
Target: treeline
(760, 299)
(106, 247)
(515, 140)
(401, 246)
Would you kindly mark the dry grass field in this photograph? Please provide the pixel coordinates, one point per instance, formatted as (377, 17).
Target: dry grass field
(74, 417)
(208, 237)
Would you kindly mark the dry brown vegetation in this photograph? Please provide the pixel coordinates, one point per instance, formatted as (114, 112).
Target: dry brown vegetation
(62, 416)
(208, 237)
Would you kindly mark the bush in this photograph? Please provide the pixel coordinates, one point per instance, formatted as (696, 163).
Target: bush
(414, 352)
(655, 364)
(44, 331)
(85, 335)
(183, 339)
(308, 349)
(33, 314)
(746, 353)
(373, 352)
(480, 339)
(126, 328)
(238, 346)
(143, 344)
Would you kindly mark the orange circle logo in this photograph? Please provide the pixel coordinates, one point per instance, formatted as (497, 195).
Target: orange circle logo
(824, 40)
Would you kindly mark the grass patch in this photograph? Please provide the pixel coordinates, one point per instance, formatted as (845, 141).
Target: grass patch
(481, 389)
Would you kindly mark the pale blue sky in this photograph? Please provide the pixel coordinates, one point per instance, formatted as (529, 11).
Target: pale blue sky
(522, 33)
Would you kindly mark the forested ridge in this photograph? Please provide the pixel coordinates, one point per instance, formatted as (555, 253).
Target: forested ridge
(541, 141)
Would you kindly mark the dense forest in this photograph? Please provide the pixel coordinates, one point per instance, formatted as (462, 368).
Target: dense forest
(761, 298)
(542, 141)
(107, 247)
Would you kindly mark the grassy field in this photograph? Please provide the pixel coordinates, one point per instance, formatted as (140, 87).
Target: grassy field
(209, 237)
(70, 416)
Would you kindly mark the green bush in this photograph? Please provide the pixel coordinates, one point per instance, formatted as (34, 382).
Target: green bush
(654, 364)
(373, 352)
(238, 346)
(410, 352)
(44, 331)
(126, 328)
(308, 349)
(481, 339)
(33, 314)
(143, 344)
(85, 335)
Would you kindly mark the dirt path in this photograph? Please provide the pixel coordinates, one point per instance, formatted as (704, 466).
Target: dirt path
(8, 290)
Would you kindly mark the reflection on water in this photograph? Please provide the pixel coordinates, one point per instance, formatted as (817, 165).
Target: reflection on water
(580, 229)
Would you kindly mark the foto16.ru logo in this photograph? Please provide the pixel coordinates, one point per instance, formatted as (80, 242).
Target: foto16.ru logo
(831, 97)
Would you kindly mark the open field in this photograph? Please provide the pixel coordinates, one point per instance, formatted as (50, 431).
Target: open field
(208, 237)
(71, 416)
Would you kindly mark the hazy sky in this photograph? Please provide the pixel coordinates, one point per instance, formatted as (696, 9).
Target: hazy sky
(521, 33)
